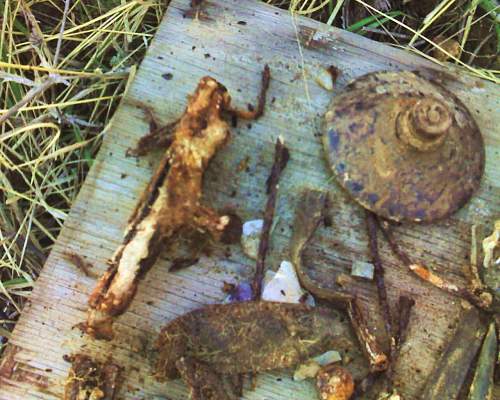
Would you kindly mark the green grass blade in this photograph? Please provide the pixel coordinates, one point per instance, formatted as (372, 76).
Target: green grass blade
(87, 156)
(373, 21)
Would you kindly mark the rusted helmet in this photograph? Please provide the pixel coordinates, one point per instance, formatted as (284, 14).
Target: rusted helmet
(403, 147)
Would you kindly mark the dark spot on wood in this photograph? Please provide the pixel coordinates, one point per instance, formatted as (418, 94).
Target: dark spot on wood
(181, 263)
(334, 73)
(206, 55)
(327, 221)
(168, 76)
(242, 23)
(197, 13)
(79, 262)
(123, 175)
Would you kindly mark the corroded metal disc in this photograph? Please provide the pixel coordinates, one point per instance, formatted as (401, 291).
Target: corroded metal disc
(403, 147)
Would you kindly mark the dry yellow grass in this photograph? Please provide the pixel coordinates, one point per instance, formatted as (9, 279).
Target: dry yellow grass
(65, 64)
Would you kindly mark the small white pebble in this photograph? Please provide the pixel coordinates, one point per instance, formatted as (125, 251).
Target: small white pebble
(307, 370)
(311, 367)
(250, 237)
(362, 269)
(284, 286)
(324, 79)
(268, 277)
(328, 358)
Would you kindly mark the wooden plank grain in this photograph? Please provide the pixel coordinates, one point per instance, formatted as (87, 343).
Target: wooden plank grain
(234, 53)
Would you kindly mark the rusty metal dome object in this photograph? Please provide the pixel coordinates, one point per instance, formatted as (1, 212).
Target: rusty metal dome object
(403, 147)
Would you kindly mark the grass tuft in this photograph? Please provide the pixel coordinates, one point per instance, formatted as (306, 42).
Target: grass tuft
(62, 74)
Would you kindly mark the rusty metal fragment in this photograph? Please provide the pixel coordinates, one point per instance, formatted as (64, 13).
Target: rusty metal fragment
(403, 147)
(451, 370)
(281, 156)
(372, 226)
(309, 214)
(171, 202)
(491, 247)
(334, 383)
(491, 262)
(476, 293)
(91, 380)
(405, 306)
(377, 359)
(482, 383)
(478, 277)
(473, 269)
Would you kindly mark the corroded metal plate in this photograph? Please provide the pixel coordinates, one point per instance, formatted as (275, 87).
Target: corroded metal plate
(403, 147)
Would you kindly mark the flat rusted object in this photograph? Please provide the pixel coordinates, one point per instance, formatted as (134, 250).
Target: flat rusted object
(250, 337)
(403, 147)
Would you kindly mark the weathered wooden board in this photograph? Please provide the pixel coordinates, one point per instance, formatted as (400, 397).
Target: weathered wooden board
(232, 42)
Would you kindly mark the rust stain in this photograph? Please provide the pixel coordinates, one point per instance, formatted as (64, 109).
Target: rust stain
(198, 11)
(27, 374)
(13, 370)
(8, 362)
(88, 378)
(309, 39)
